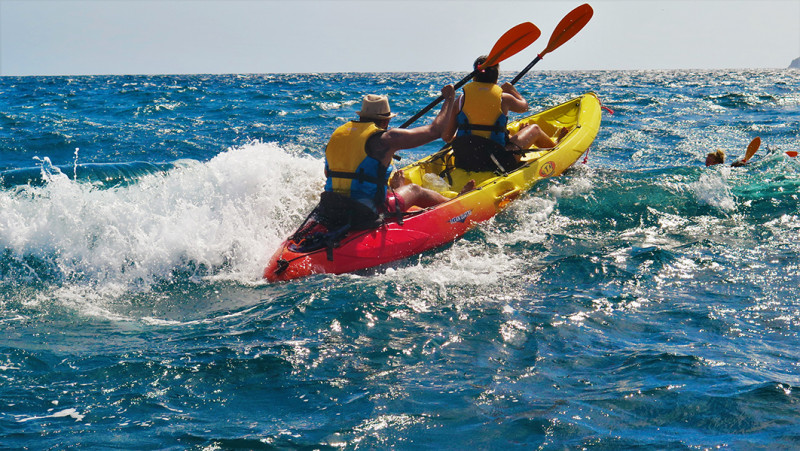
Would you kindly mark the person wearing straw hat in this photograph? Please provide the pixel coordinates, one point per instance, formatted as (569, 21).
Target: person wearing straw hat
(357, 161)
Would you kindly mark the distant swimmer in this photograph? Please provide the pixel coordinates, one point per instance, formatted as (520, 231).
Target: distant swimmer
(718, 157)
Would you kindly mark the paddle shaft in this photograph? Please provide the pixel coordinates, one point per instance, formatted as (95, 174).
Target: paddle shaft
(527, 68)
(436, 102)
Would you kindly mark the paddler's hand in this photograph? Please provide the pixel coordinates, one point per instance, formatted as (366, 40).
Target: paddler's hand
(509, 88)
(448, 92)
(444, 125)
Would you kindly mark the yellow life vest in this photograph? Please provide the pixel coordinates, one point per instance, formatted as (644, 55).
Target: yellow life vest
(482, 113)
(349, 170)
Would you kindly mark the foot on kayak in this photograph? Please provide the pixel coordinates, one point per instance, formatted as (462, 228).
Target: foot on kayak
(562, 132)
(469, 186)
(397, 180)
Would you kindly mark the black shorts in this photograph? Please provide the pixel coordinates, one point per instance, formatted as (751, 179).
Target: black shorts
(335, 211)
(478, 154)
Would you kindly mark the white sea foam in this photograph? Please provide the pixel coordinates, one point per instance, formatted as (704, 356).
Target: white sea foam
(72, 413)
(712, 189)
(220, 219)
(474, 263)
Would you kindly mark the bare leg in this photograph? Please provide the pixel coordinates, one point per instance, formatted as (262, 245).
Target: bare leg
(415, 195)
(530, 135)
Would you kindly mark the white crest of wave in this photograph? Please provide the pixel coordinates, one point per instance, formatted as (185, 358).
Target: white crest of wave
(496, 256)
(712, 189)
(71, 413)
(222, 219)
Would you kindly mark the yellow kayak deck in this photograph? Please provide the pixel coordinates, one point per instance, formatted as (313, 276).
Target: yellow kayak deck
(581, 116)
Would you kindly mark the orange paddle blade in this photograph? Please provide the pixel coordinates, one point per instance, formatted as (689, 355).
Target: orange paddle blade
(791, 153)
(752, 148)
(512, 42)
(569, 26)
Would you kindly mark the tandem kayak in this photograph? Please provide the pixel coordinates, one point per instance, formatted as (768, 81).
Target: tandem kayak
(420, 230)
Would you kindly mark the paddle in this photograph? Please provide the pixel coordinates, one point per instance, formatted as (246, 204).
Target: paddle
(569, 26)
(791, 153)
(512, 42)
(751, 149)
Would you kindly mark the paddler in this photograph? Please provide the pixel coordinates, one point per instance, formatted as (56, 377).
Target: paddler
(478, 132)
(715, 157)
(357, 166)
(718, 156)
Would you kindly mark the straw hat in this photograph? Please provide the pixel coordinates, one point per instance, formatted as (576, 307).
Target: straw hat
(375, 107)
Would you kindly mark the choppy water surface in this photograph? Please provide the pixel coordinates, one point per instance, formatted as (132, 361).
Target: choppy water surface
(641, 300)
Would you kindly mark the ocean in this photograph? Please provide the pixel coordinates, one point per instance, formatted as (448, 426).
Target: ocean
(638, 301)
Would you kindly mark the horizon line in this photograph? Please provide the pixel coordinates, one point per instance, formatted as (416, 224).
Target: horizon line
(112, 74)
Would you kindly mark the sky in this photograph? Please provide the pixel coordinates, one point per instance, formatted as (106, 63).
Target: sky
(70, 37)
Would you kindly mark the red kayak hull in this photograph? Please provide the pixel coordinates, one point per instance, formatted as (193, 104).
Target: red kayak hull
(391, 241)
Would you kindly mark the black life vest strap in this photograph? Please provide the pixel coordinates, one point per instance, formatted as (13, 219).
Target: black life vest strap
(360, 176)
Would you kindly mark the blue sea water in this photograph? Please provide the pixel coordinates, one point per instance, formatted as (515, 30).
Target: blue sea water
(639, 301)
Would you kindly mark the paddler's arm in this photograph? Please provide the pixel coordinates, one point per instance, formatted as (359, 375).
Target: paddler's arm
(450, 118)
(513, 100)
(382, 147)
